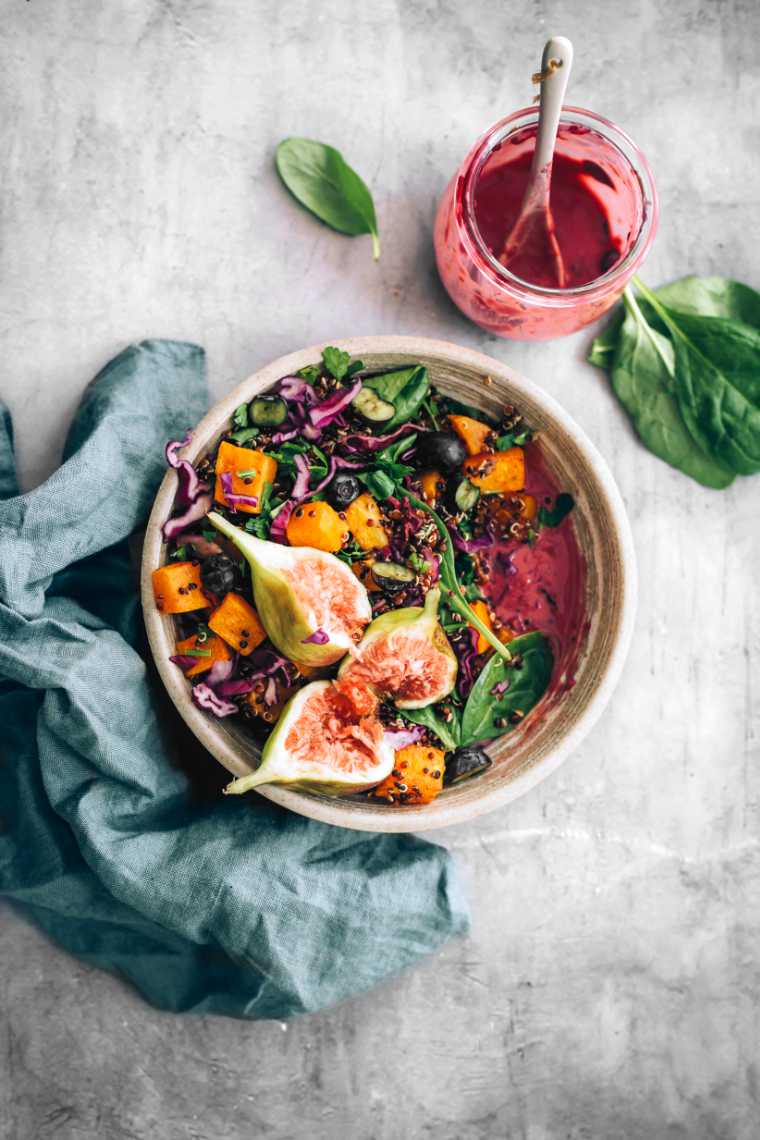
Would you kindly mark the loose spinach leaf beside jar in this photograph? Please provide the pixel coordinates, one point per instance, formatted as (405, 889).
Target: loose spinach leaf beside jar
(684, 360)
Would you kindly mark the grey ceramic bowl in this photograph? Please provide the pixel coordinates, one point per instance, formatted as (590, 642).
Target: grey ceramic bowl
(549, 734)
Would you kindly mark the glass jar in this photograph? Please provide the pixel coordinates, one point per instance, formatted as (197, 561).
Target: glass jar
(490, 294)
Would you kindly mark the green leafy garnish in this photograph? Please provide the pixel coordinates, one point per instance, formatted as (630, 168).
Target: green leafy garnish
(525, 680)
(244, 435)
(553, 516)
(517, 438)
(310, 373)
(179, 555)
(240, 416)
(322, 181)
(405, 389)
(448, 731)
(379, 484)
(261, 523)
(336, 361)
(418, 563)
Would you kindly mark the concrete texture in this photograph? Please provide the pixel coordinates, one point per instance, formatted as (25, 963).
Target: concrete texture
(609, 987)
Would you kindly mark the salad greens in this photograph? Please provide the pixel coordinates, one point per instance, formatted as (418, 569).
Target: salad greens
(684, 360)
(322, 181)
(405, 390)
(449, 732)
(505, 692)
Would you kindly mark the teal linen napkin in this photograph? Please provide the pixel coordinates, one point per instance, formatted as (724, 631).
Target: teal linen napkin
(120, 846)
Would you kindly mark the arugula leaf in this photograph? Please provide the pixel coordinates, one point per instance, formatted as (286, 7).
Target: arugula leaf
(453, 593)
(336, 361)
(487, 713)
(240, 416)
(322, 181)
(405, 389)
(448, 731)
(516, 438)
(553, 516)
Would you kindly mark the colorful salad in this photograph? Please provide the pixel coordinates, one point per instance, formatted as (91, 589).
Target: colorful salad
(379, 579)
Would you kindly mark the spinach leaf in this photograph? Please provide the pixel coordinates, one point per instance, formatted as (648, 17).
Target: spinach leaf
(448, 731)
(641, 363)
(393, 452)
(245, 435)
(487, 713)
(405, 389)
(322, 181)
(378, 483)
(717, 383)
(553, 516)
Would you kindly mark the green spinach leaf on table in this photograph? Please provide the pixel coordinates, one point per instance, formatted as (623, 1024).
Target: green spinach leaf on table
(321, 179)
(488, 714)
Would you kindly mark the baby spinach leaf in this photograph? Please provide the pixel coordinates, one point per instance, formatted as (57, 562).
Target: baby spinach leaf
(448, 731)
(322, 181)
(378, 483)
(487, 713)
(553, 516)
(393, 452)
(405, 389)
(717, 383)
(641, 363)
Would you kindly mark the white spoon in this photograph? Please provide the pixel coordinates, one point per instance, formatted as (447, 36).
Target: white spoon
(534, 226)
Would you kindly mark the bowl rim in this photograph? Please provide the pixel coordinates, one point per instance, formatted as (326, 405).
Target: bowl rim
(339, 812)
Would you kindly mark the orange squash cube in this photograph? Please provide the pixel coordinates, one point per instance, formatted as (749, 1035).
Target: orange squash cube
(474, 434)
(364, 521)
(417, 776)
(238, 624)
(177, 588)
(214, 646)
(249, 470)
(316, 524)
(497, 472)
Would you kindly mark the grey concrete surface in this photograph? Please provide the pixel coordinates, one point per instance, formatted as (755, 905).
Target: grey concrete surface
(609, 988)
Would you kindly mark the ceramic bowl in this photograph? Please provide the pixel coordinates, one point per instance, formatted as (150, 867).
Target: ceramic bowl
(547, 736)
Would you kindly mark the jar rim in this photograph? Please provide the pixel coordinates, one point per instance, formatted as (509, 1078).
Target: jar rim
(629, 152)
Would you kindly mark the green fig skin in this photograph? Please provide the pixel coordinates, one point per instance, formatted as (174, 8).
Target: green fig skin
(425, 619)
(277, 766)
(287, 622)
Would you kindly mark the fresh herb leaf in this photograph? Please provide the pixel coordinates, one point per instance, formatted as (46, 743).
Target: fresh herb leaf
(378, 483)
(487, 713)
(244, 435)
(351, 552)
(418, 563)
(354, 367)
(310, 373)
(447, 731)
(240, 416)
(179, 555)
(405, 389)
(261, 523)
(553, 516)
(336, 361)
(322, 181)
(516, 438)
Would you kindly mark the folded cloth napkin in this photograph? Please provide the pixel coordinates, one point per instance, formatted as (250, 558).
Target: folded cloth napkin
(230, 906)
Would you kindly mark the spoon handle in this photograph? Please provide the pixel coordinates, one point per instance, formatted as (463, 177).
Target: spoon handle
(553, 87)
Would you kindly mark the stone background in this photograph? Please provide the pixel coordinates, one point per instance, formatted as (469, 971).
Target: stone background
(609, 986)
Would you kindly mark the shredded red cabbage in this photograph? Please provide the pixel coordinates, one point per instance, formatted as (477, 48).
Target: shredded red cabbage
(499, 688)
(220, 671)
(206, 698)
(470, 545)
(190, 486)
(328, 410)
(401, 737)
(362, 441)
(183, 661)
(202, 546)
(301, 485)
(270, 692)
(194, 513)
(297, 389)
(280, 522)
(318, 637)
(466, 649)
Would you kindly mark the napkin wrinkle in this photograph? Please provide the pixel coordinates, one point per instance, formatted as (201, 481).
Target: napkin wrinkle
(209, 904)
